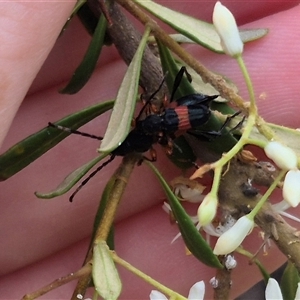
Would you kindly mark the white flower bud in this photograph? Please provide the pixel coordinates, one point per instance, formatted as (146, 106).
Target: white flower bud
(273, 290)
(291, 187)
(226, 27)
(207, 209)
(234, 236)
(284, 157)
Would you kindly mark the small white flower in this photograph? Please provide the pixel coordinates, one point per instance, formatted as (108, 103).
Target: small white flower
(226, 27)
(207, 209)
(273, 290)
(234, 236)
(284, 157)
(196, 292)
(291, 187)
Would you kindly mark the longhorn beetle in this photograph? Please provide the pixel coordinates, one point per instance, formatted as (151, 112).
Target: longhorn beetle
(191, 111)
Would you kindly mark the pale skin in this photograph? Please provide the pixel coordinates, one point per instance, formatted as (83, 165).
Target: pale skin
(33, 230)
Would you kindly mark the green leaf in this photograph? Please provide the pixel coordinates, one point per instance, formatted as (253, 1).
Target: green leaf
(200, 32)
(289, 281)
(247, 35)
(193, 239)
(105, 275)
(84, 71)
(121, 117)
(171, 68)
(71, 179)
(28, 150)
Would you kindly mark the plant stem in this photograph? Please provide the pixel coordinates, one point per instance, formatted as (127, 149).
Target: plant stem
(267, 194)
(147, 278)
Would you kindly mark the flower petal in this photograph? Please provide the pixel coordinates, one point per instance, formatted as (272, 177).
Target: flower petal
(273, 290)
(291, 187)
(297, 297)
(197, 291)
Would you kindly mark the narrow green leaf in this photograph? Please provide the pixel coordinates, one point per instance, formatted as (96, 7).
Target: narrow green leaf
(26, 151)
(105, 275)
(121, 117)
(193, 239)
(289, 281)
(71, 179)
(84, 71)
(249, 35)
(200, 32)
(77, 6)
(171, 68)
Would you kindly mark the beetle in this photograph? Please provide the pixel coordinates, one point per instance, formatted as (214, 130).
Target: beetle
(190, 111)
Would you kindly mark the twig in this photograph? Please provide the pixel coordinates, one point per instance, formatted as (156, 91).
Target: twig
(59, 282)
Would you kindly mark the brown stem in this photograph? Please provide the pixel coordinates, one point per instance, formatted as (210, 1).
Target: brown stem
(223, 284)
(59, 282)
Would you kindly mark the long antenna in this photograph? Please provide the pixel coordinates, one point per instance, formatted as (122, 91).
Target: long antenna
(151, 97)
(70, 130)
(86, 180)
